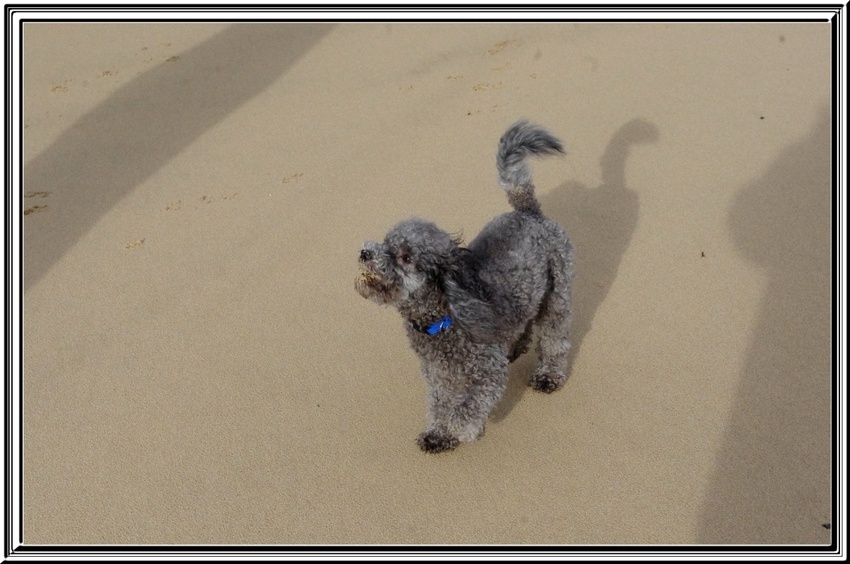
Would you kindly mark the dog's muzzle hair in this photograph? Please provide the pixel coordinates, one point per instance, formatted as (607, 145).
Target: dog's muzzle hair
(375, 282)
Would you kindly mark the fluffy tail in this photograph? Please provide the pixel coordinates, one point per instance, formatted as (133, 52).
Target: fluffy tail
(520, 140)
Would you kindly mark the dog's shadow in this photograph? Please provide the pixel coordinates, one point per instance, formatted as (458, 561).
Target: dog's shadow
(600, 222)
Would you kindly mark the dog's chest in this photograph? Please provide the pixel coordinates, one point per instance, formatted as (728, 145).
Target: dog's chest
(445, 347)
(451, 351)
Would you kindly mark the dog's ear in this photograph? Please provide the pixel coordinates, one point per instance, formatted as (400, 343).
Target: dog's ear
(468, 304)
(434, 265)
(439, 259)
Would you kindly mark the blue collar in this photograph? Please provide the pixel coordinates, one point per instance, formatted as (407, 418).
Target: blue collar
(434, 328)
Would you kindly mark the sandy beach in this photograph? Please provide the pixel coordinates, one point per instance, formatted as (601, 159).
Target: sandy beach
(199, 369)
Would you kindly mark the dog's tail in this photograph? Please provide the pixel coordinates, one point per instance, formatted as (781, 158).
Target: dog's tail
(519, 141)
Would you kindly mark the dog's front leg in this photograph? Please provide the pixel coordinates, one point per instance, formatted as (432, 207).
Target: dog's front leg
(460, 403)
(485, 388)
(437, 436)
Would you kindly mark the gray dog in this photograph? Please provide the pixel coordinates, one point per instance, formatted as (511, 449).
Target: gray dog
(471, 311)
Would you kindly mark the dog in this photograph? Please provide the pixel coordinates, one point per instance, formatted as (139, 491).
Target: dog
(470, 311)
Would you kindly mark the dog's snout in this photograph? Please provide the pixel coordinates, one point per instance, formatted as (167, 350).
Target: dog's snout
(366, 254)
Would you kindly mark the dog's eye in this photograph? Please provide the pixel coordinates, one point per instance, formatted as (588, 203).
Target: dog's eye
(405, 258)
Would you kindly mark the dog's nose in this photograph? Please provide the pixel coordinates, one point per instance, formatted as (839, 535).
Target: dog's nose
(366, 255)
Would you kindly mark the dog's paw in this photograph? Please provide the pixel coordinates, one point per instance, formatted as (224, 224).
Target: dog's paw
(546, 383)
(433, 442)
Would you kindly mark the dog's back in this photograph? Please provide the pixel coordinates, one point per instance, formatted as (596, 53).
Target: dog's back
(513, 254)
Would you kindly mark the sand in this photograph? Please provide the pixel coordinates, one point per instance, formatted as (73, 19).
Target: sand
(199, 369)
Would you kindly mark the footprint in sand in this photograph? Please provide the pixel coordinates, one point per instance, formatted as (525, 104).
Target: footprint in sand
(205, 199)
(61, 87)
(35, 209)
(486, 86)
(503, 45)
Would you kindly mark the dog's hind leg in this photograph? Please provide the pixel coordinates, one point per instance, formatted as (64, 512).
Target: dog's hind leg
(553, 325)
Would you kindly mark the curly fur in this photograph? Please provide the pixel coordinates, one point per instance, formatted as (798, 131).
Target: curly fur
(514, 279)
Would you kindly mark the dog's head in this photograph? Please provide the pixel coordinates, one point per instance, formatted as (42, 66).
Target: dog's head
(413, 258)
(416, 263)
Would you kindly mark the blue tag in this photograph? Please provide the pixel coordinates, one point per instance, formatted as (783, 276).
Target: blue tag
(439, 326)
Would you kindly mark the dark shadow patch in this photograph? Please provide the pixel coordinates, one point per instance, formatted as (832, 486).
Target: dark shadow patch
(771, 483)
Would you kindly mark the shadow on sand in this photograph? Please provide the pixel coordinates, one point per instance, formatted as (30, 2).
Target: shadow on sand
(600, 222)
(771, 483)
(129, 136)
